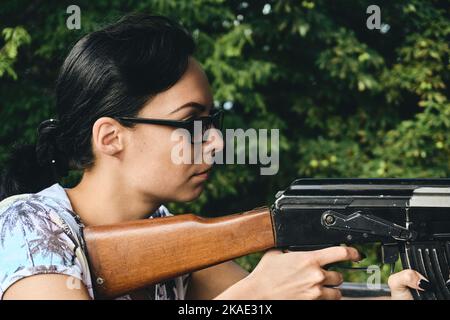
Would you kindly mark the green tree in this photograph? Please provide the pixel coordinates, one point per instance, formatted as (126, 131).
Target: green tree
(14, 38)
(349, 101)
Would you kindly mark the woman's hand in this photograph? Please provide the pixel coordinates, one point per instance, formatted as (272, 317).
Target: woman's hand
(402, 281)
(293, 275)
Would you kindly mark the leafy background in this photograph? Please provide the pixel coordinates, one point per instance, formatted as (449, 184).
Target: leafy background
(349, 101)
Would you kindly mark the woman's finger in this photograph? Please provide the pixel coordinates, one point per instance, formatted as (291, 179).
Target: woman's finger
(332, 278)
(336, 254)
(405, 279)
(330, 294)
(401, 282)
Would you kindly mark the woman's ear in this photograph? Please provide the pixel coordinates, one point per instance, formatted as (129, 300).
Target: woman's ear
(108, 136)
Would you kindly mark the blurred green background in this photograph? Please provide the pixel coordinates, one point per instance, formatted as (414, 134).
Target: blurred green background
(349, 101)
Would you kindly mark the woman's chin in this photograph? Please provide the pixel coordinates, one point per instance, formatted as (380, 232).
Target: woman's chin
(194, 193)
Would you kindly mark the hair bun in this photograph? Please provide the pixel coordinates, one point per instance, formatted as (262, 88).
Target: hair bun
(48, 124)
(47, 150)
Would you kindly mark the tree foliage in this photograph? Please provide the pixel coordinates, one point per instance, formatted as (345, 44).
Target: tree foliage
(349, 101)
(13, 38)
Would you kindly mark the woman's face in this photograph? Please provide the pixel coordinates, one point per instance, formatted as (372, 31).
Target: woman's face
(147, 157)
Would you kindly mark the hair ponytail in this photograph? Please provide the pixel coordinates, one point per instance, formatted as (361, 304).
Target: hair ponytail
(48, 152)
(33, 167)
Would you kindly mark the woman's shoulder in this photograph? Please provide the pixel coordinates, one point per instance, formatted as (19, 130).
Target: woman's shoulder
(29, 210)
(34, 241)
(10, 201)
(31, 225)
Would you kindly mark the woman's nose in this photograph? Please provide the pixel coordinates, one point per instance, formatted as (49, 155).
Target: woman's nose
(214, 143)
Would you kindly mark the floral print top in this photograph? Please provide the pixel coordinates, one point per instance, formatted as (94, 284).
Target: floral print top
(39, 233)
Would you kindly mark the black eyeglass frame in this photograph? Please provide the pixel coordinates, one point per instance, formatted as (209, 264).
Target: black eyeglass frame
(215, 120)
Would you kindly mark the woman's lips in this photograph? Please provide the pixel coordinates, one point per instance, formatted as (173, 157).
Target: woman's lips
(203, 175)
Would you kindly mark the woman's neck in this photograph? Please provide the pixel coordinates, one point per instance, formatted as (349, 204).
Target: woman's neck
(105, 200)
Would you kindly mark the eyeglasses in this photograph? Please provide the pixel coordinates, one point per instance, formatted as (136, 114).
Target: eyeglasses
(207, 122)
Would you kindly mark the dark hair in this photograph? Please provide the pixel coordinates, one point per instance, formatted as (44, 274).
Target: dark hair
(110, 72)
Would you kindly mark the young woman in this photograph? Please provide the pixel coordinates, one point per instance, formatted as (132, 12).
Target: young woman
(142, 67)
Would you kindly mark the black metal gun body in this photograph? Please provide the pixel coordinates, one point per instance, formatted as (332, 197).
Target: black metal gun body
(409, 217)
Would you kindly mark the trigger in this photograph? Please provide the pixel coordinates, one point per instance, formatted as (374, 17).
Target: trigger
(392, 268)
(389, 253)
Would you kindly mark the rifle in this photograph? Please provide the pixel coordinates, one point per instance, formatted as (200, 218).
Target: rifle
(409, 217)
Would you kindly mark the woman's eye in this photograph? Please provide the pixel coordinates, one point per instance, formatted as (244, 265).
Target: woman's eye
(196, 115)
(190, 117)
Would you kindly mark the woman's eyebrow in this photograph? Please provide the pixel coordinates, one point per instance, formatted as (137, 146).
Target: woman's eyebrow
(196, 105)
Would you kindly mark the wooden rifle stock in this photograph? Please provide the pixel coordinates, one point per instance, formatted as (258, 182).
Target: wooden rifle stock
(132, 255)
